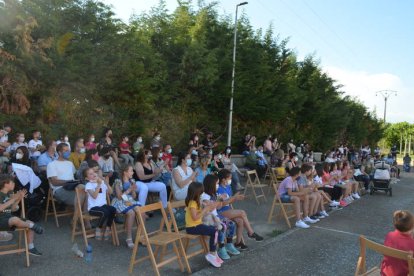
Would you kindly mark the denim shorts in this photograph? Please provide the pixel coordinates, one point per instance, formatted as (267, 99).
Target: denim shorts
(285, 198)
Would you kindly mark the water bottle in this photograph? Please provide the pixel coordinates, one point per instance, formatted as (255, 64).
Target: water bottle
(88, 255)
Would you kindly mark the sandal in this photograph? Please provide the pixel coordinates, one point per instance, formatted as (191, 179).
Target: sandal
(107, 234)
(129, 243)
(98, 234)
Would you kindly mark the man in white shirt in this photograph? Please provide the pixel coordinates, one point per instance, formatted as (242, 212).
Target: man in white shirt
(35, 144)
(59, 172)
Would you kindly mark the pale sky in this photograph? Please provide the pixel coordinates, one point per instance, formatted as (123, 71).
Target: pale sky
(364, 45)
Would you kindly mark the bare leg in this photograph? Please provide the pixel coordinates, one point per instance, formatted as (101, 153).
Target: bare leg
(296, 203)
(17, 222)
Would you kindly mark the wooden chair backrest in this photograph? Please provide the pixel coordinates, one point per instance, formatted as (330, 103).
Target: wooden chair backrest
(383, 250)
(252, 177)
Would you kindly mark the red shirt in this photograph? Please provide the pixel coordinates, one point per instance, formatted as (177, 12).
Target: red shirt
(167, 158)
(124, 148)
(392, 266)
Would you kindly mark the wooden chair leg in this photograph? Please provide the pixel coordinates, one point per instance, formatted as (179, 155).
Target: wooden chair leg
(55, 212)
(269, 218)
(47, 206)
(26, 244)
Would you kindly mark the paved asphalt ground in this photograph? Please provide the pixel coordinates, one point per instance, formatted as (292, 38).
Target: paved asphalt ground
(330, 247)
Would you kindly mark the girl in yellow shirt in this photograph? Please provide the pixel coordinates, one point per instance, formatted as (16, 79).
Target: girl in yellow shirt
(193, 220)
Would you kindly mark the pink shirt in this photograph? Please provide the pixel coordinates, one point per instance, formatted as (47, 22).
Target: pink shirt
(391, 266)
(90, 145)
(288, 183)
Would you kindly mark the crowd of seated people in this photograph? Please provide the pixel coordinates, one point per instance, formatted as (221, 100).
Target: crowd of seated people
(130, 172)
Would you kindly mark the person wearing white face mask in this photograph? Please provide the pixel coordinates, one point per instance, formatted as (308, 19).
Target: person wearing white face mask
(64, 139)
(147, 173)
(78, 155)
(225, 195)
(18, 143)
(35, 145)
(137, 146)
(156, 140)
(183, 175)
(235, 172)
(21, 156)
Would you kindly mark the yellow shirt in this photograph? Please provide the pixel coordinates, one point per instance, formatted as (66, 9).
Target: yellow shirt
(76, 159)
(189, 222)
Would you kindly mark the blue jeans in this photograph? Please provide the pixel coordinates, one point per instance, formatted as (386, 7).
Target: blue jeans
(204, 230)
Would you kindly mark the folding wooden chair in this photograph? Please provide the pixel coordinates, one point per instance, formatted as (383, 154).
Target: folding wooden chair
(188, 239)
(159, 239)
(287, 210)
(383, 250)
(16, 248)
(273, 179)
(51, 202)
(253, 182)
(80, 217)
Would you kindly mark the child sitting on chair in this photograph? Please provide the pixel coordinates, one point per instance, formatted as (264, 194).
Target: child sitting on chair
(402, 239)
(289, 193)
(226, 228)
(97, 203)
(9, 202)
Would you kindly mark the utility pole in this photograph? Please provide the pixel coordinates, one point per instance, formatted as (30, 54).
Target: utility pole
(386, 94)
(233, 74)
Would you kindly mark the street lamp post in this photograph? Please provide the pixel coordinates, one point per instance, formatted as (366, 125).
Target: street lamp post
(386, 94)
(233, 74)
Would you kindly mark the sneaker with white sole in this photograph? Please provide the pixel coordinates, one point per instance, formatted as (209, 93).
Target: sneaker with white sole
(334, 203)
(301, 224)
(5, 236)
(308, 219)
(324, 213)
(212, 260)
(356, 196)
(231, 249)
(222, 253)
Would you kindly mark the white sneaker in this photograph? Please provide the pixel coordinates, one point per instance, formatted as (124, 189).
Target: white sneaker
(212, 260)
(308, 219)
(334, 203)
(301, 224)
(356, 196)
(324, 213)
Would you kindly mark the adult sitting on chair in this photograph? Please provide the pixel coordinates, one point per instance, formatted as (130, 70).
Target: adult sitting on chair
(183, 175)
(59, 172)
(48, 156)
(146, 173)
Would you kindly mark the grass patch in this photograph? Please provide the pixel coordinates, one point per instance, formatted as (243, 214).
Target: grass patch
(275, 233)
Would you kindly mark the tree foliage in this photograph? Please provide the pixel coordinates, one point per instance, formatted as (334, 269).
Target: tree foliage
(72, 66)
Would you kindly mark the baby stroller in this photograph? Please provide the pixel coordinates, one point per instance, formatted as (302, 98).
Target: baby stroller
(25, 178)
(382, 179)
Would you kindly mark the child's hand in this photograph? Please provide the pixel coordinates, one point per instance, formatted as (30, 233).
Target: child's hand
(23, 193)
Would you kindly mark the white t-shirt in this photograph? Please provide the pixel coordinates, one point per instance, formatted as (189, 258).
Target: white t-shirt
(100, 200)
(181, 193)
(205, 196)
(318, 180)
(107, 165)
(63, 170)
(32, 145)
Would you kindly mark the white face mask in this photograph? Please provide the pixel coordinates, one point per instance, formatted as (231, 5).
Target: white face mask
(66, 139)
(194, 152)
(19, 156)
(92, 139)
(228, 151)
(296, 159)
(139, 140)
(169, 151)
(189, 162)
(82, 150)
(160, 155)
(220, 156)
(158, 138)
(217, 186)
(210, 152)
(228, 182)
